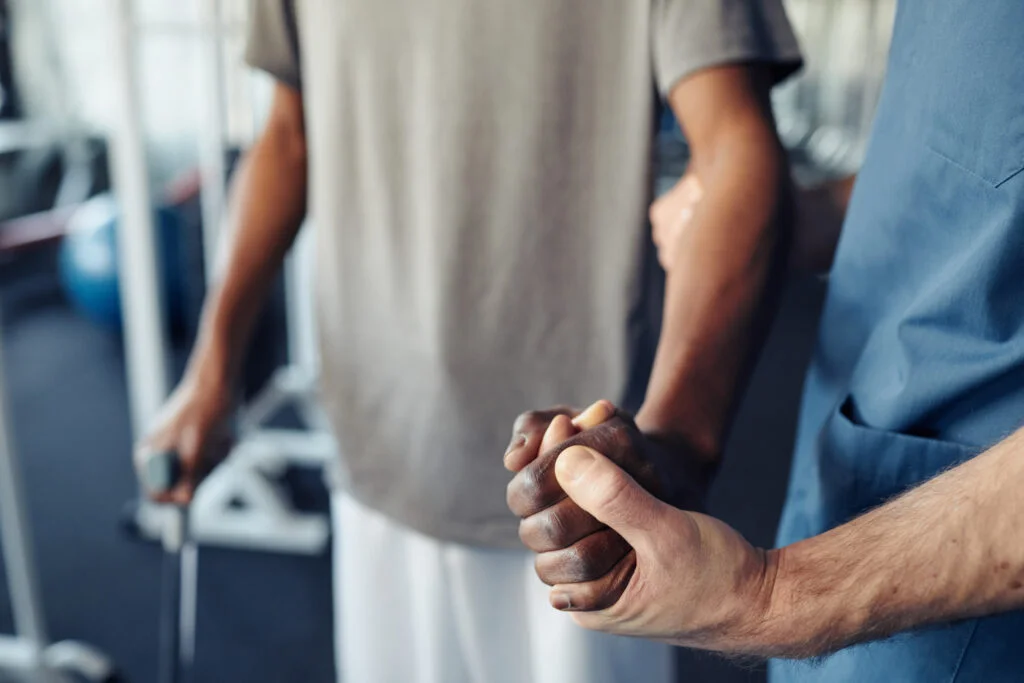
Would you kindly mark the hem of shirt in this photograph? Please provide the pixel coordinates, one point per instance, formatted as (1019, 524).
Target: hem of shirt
(289, 79)
(783, 66)
(493, 536)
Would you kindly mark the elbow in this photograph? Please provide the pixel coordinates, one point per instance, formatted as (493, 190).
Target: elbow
(748, 152)
(757, 157)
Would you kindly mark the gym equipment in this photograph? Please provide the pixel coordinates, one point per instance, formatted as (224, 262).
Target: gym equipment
(266, 520)
(240, 505)
(89, 261)
(160, 472)
(824, 116)
(29, 652)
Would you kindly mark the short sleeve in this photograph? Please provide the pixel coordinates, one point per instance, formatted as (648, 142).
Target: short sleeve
(689, 35)
(272, 42)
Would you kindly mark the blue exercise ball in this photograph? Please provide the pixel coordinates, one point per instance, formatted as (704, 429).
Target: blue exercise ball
(89, 260)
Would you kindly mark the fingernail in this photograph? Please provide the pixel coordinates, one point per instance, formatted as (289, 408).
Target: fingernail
(518, 441)
(561, 601)
(574, 462)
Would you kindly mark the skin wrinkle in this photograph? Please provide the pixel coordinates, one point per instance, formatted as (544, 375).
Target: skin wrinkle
(587, 560)
(549, 529)
(605, 592)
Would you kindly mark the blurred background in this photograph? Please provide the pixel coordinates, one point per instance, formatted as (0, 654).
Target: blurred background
(117, 112)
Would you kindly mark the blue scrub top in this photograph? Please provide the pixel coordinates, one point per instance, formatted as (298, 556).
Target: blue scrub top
(920, 360)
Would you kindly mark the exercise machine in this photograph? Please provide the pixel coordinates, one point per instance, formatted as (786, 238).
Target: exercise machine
(29, 651)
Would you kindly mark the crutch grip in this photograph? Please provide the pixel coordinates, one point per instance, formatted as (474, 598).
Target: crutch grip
(161, 471)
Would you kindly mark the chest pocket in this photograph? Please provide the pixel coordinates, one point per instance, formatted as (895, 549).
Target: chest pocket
(968, 57)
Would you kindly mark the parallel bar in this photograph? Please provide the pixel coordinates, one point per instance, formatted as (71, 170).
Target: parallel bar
(300, 308)
(141, 299)
(212, 135)
(16, 541)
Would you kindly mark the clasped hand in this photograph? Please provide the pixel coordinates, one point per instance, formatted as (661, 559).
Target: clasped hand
(600, 505)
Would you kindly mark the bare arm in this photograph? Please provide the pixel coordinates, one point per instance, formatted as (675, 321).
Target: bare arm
(720, 291)
(268, 203)
(719, 301)
(952, 548)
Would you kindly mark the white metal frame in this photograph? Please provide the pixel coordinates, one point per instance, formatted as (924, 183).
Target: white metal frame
(29, 650)
(265, 520)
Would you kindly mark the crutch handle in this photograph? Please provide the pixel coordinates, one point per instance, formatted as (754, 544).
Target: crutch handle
(161, 471)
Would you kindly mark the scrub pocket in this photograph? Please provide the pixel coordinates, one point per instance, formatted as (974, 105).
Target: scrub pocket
(862, 467)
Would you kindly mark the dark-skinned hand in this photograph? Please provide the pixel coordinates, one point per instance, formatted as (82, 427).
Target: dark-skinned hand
(572, 546)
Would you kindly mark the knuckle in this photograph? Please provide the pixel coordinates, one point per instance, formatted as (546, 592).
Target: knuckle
(552, 529)
(521, 420)
(526, 534)
(531, 420)
(608, 438)
(621, 434)
(577, 564)
(540, 567)
(530, 487)
(534, 533)
(512, 496)
(584, 566)
(596, 438)
(556, 528)
(524, 492)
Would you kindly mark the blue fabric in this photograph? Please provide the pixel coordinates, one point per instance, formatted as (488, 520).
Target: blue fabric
(920, 361)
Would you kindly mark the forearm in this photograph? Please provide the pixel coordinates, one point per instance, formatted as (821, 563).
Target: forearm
(268, 202)
(951, 549)
(720, 291)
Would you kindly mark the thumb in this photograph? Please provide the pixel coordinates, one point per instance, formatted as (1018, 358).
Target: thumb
(603, 489)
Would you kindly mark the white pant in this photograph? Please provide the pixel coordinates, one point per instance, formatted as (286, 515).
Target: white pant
(411, 609)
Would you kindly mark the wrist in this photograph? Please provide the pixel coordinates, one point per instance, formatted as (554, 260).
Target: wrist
(210, 365)
(746, 623)
(797, 623)
(768, 628)
(666, 424)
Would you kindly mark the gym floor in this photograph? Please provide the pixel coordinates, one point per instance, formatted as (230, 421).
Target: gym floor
(262, 618)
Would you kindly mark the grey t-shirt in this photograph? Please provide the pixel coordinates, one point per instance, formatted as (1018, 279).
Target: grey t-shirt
(480, 173)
